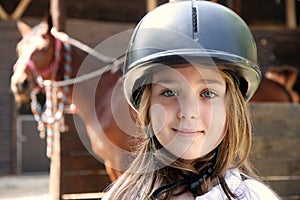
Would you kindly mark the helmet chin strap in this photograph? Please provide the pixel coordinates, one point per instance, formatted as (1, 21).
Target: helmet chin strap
(192, 182)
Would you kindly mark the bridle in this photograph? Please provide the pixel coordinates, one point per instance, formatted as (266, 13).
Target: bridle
(53, 66)
(51, 70)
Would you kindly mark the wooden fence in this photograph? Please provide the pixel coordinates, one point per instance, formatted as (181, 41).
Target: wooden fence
(275, 154)
(8, 41)
(276, 146)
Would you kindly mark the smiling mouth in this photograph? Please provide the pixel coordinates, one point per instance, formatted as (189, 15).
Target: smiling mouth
(188, 132)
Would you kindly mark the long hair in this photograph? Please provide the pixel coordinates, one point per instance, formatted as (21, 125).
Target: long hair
(153, 168)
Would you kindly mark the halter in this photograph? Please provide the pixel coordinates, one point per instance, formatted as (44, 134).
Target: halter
(51, 69)
(53, 66)
(47, 118)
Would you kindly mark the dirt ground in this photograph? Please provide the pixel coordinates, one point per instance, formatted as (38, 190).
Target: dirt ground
(25, 187)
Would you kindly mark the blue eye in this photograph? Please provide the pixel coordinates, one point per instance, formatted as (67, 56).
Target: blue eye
(169, 93)
(208, 94)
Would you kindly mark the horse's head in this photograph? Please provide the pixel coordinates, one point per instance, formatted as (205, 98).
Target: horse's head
(35, 55)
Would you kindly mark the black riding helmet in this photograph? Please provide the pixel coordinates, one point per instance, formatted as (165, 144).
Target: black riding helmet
(191, 31)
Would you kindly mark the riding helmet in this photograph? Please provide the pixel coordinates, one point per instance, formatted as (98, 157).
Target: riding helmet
(191, 31)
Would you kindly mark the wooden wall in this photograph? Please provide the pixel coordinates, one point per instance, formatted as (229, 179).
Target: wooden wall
(276, 150)
(8, 41)
(112, 10)
(268, 12)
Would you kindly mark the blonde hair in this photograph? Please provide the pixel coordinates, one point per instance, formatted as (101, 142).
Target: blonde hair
(153, 168)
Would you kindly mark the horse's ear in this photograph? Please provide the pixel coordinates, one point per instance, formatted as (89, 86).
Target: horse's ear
(48, 20)
(23, 28)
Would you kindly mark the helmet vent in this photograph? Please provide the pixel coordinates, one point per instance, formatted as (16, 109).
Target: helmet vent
(195, 20)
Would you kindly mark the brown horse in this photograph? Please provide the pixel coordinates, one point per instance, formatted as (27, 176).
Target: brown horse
(99, 100)
(271, 91)
(287, 76)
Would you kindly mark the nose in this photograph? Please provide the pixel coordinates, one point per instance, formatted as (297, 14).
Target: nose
(22, 85)
(188, 108)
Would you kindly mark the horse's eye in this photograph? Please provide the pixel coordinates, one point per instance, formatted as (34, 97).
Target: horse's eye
(44, 49)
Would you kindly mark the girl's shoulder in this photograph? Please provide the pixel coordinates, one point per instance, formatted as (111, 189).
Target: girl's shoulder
(256, 190)
(244, 189)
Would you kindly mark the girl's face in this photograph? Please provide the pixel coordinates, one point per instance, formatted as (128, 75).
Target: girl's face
(187, 109)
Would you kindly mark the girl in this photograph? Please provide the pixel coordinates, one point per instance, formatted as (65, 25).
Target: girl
(190, 69)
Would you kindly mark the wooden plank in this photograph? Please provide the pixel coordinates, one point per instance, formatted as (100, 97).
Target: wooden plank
(6, 25)
(58, 13)
(276, 167)
(8, 38)
(290, 13)
(286, 187)
(5, 81)
(55, 180)
(5, 119)
(5, 153)
(6, 126)
(9, 51)
(126, 10)
(70, 135)
(81, 162)
(10, 34)
(71, 140)
(284, 122)
(97, 31)
(267, 109)
(97, 195)
(275, 148)
(5, 141)
(113, 10)
(84, 183)
(3, 13)
(5, 168)
(274, 136)
(151, 4)
(69, 146)
(18, 12)
(7, 107)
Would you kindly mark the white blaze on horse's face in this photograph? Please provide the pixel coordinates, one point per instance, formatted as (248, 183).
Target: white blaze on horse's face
(35, 47)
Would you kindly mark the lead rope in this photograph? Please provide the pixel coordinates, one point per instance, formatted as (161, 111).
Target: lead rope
(47, 118)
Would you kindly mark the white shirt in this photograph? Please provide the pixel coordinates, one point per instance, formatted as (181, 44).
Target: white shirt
(244, 189)
(248, 189)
